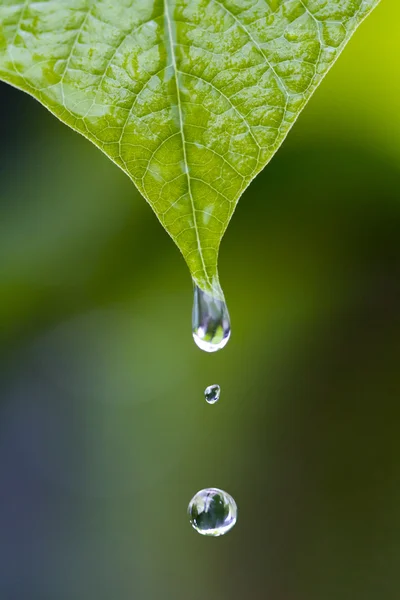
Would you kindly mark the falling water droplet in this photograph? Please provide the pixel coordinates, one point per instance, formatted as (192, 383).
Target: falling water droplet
(212, 393)
(212, 512)
(210, 321)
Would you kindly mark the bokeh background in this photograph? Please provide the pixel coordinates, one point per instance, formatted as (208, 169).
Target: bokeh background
(104, 431)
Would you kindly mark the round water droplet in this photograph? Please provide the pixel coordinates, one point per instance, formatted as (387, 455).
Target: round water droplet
(212, 512)
(211, 325)
(212, 393)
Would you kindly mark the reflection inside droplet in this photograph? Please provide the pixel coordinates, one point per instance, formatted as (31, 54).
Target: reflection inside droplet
(210, 321)
(212, 393)
(212, 512)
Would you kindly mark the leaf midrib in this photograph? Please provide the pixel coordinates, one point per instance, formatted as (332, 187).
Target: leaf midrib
(170, 44)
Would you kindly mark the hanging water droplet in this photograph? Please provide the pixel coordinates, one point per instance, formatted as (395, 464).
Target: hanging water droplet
(212, 512)
(210, 321)
(212, 393)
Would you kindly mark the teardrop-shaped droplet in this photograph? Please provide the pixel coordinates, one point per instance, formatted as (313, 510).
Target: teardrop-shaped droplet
(212, 393)
(211, 325)
(212, 512)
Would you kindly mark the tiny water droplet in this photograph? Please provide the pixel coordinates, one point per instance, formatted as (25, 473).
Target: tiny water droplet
(212, 393)
(211, 325)
(212, 512)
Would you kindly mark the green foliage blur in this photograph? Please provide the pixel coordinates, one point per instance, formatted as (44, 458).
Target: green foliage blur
(104, 431)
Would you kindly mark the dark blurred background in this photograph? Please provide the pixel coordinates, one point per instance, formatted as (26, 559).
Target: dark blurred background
(104, 432)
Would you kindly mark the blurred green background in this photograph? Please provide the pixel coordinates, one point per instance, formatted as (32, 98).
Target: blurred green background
(104, 432)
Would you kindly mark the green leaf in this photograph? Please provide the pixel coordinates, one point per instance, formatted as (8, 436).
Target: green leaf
(191, 98)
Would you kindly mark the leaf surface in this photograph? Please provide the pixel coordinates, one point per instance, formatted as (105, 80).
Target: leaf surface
(191, 98)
